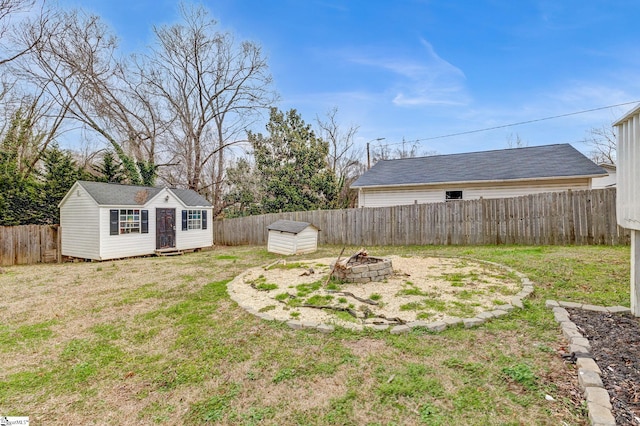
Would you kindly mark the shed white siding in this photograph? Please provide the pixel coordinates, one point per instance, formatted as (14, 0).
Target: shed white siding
(288, 243)
(193, 238)
(80, 225)
(396, 196)
(126, 245)
(628, 171)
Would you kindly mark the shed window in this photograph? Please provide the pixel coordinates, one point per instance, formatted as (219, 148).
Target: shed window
(453, 195)
(129, 221)
(194, 219)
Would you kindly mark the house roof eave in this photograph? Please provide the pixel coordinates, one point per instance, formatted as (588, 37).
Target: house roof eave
(409, 185)
(627, 116)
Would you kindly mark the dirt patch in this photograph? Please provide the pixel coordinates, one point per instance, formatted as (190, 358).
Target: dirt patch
(365, 347)
(429, 289)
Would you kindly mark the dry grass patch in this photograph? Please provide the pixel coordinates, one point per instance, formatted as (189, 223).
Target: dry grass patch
(158, 341)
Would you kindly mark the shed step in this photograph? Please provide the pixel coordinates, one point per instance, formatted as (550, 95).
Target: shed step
(169, 252)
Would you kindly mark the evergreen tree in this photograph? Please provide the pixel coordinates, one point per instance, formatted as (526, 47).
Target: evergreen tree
(148, 172)
(19, 196)
(19, 190)
(244, 194)
(110, 169)
(292, 164)
(60, 173)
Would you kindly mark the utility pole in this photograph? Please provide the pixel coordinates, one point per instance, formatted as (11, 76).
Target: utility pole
(369, 152)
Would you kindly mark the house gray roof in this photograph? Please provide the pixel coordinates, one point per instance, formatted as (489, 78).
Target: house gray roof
(111, 194)
(289, 226)
(536, 162)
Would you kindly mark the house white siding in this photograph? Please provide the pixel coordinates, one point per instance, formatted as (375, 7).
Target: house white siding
(605, 182)
(385, 197)
(628, 176)
(79, 224)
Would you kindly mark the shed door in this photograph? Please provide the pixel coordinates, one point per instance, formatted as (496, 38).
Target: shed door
(165, 228)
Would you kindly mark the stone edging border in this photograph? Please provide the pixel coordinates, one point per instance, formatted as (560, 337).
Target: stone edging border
(596, 396)
(436, 326)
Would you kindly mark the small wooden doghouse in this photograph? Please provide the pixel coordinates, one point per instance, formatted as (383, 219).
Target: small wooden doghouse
(291, 237)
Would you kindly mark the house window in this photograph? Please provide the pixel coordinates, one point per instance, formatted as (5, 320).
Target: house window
(453, 195)
(129, 221)
(194, 219)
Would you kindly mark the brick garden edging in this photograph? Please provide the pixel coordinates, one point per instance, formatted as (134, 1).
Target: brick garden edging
(596, 396)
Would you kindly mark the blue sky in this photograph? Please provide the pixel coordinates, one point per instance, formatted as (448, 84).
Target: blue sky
(420, 69)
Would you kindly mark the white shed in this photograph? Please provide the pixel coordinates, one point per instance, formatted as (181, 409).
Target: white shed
(628, 188)
(102, 221)
(291, 237)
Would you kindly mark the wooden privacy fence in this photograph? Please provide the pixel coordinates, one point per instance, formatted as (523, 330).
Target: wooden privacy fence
(555, 218)
(27, 244)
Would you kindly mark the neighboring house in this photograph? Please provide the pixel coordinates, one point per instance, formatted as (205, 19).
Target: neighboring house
(488, 174)
(607, 181)
(291, 237)
(101, 221)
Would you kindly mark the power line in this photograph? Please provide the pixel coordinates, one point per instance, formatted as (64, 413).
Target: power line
(468, 132)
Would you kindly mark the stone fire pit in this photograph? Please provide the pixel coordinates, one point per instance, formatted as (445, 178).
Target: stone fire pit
(362, 268)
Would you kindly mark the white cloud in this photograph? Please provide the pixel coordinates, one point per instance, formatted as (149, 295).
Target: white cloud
(422, 79)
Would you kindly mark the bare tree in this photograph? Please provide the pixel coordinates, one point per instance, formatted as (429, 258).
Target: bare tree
(181, 105)
(404, 149)
(14, 15)
(603, 144)
(212, 87)
(514, 141)
(344, 157)
(10, 19)
(76, 66)
(31, 119)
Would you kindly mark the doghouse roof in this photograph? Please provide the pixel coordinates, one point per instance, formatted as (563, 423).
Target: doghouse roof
(289, 226)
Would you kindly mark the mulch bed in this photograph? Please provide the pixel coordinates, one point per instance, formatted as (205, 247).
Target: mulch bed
(615, 346)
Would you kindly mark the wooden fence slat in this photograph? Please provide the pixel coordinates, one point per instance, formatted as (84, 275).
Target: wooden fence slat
(571, 217)
(29, 244)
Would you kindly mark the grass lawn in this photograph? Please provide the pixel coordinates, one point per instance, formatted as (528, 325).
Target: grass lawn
(158, 341)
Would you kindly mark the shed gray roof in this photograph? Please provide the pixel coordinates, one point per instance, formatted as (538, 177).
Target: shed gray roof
(111, 194)
(190, 197)
(536, 162)
(289, 226)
